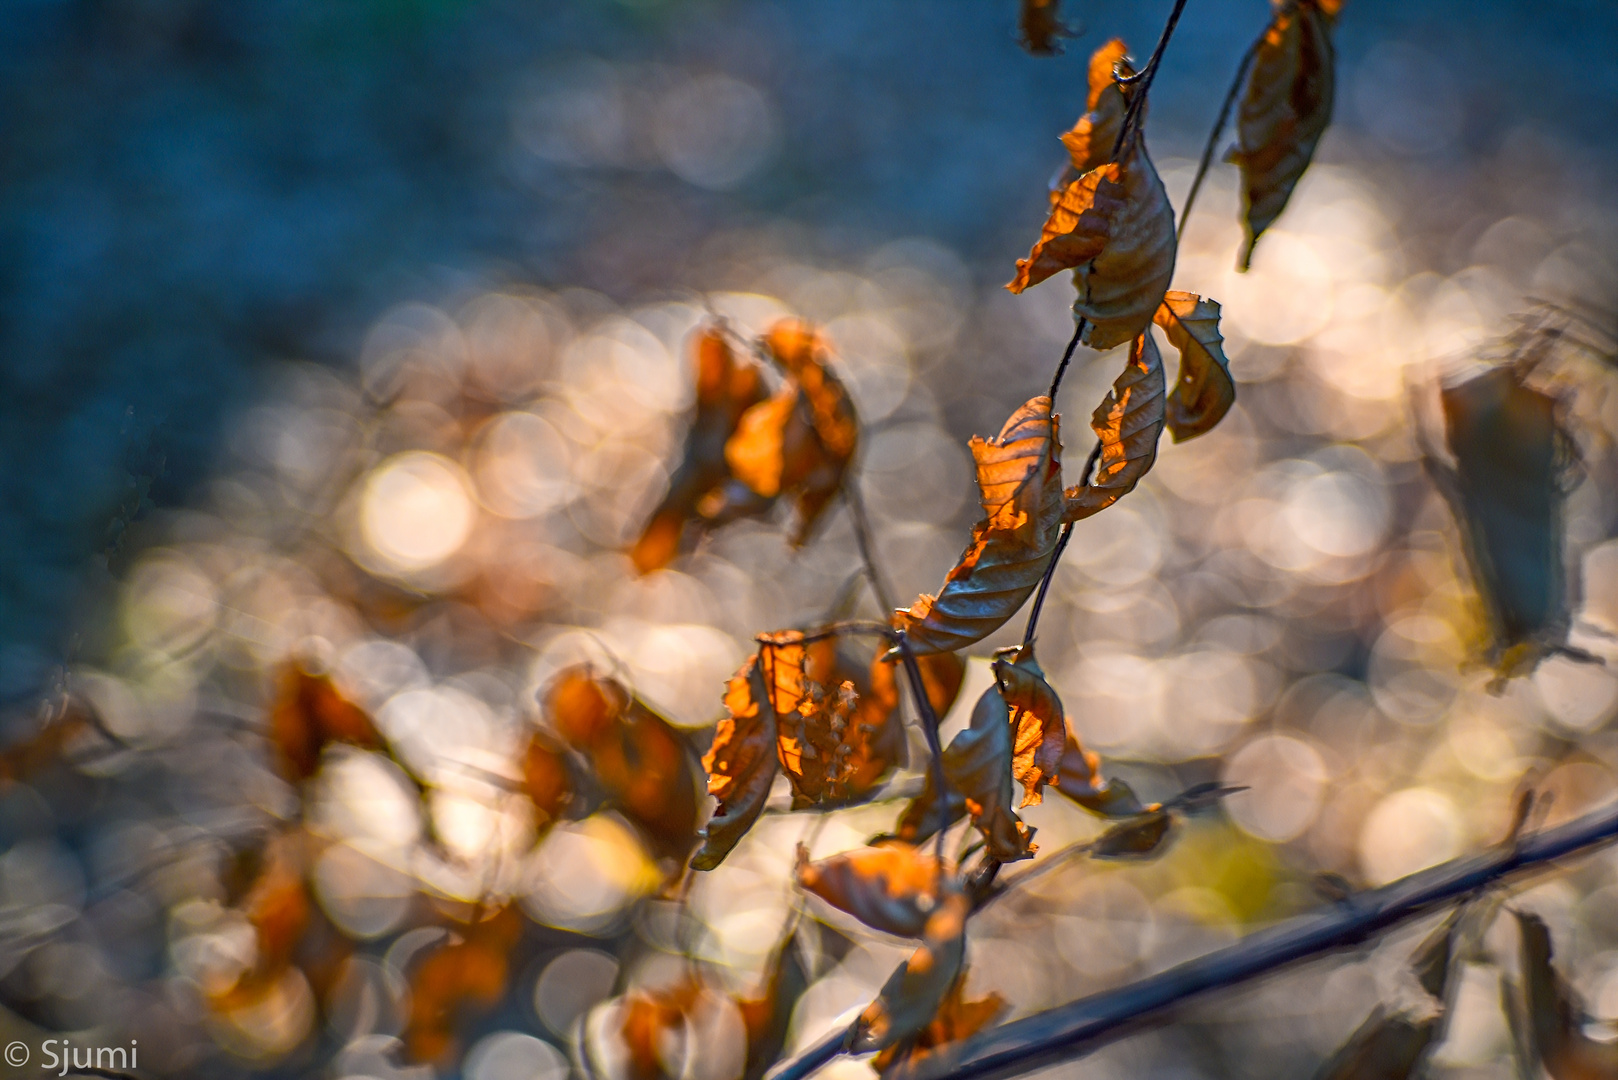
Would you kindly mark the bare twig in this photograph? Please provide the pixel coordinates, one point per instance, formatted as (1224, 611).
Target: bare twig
(1067, 354)
(1061, 545)
(836, 629)
(862, 537)
(1213, 136)
(929, 728)
(1141, 82)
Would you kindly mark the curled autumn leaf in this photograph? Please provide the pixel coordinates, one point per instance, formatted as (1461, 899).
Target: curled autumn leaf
(727, 388)
(740, 764)
(1040, 27)
(891, 887)
(930, 811)
(815, 732)
(1038, 723)
(310, 714)
(800, 441)
(1081, 781)
(1285, 110)
(641, 763)
(1553, 1016)
(1091, 140)
(1019, 481)
(955, 1020)
(1204, 392)
(1114, 228)
(913, 995)
(1127, 423)
(978, 762)
(1141, 835)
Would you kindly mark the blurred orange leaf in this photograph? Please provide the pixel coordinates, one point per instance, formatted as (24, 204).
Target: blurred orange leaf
(468, 973)
(1038, 722)
(1040, 25)
(740, 764)
(309, 714)
(1127, 423)
(892, 887)
(913, 995)
(1284, 112)
(1205, 391)
(545, 778)
(1019, 481)
(956, 1019)
(768, 1015)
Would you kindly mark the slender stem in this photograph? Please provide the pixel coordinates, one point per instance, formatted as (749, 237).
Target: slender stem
(831, 630)
(1045, 584)
(1139, 83)
(1067, 354)
(1213, 136)
(929, 728)
(862, 537)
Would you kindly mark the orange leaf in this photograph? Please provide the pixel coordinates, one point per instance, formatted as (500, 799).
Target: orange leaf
(466, 975)
(310, 714)
(545, 778)
(913, 995)
(1019, 481)
(1038, 722)
(892, 887)
(814, 470)
(956, 1019)
(1081, 781)
(740, 764)
(1090, 142)
(726, 389)
(1040, 25)
(756, 451)
(768, 1016)
(1284, 112)
(1205, 391)
(642, 764)
(814, 732)
(1127, 422)
(978, 762)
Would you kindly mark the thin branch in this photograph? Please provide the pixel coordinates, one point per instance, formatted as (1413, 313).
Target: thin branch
(1141, 82)
(862, 537)
(1072, 1030)
(1067, 354)
(929, 728)
(836, 629)
(1213, 136)
(1045, 584)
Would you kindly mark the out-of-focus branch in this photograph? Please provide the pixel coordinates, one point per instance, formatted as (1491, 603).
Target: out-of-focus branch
(1072, 1030)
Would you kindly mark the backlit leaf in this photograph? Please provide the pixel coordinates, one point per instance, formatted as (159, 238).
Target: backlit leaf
(1091, 140)
(913, 995)
(465, 975)
(928, 812)
(1205, 391)
(1128, 422)
(1080, 770)
(740, 764)
(546, 781)
(978, 762)
(1019, 481)
(1136, 837)
(892, 887)
(956, 1019)
(1038, 723)
(1285, 110)
(814, 724)
(768, 1015)
(812, 466)
(1039, 25)
(308, 715)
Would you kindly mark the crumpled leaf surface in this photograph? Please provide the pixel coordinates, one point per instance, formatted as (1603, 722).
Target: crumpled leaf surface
(309, 714)
(726, 389)
(956, 1019)
(1038, 723)
(912, 996)
(1204, 392)
(740, 764)
(978, 762)
(1555, 1015)
(892, 887)
(1019, 481)
(1128, 422)
(1285, 110)
(1114, 228)
(1039, 25)
(815, 733)
(1091, 140)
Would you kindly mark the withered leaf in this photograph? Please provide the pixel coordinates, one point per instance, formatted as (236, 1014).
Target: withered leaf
(1555, 1016)
(1091, 140)
(930, 811)
(756, 450)
(1284, 112)
(1080, 770)
(308, 715)
(814, 728)
(1040, 25)
(727, 387)
(662, 1033)
(467, 974)
(1384, 1047)
(545, 778)
(768, 1015)
(1114, 228)
(1127, 423)
(1205, 391)
(639, 760)
(956, 1019)
(978, 762)
(892, 887)
(912, 996)
(1019, 481)
(1136, 837)
(740, 764)
(1038, 722)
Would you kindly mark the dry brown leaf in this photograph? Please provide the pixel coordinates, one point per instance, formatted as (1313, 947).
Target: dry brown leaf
(814, 466)
(1205, 391)
(756, 450)
(956, 1019)
(1082, 782)
(1128, 422)
(924, 815)
(892, 887)
(978, 762)
(912, 996)
(1284, 112)
(1019, 481)
(1091, 140)
(740, 764)
(727, 388)
(468, 974)
(1040, 24)
(308, 715)
(641, 763)
(1555, 1016)
(1038, 723)
(1385, 1047)
(1114, 228)
(546, 780)
(768, 1015)
(814, 728)
(1135, 837)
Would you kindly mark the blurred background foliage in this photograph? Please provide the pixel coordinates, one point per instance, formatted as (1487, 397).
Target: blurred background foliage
(356, 334)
